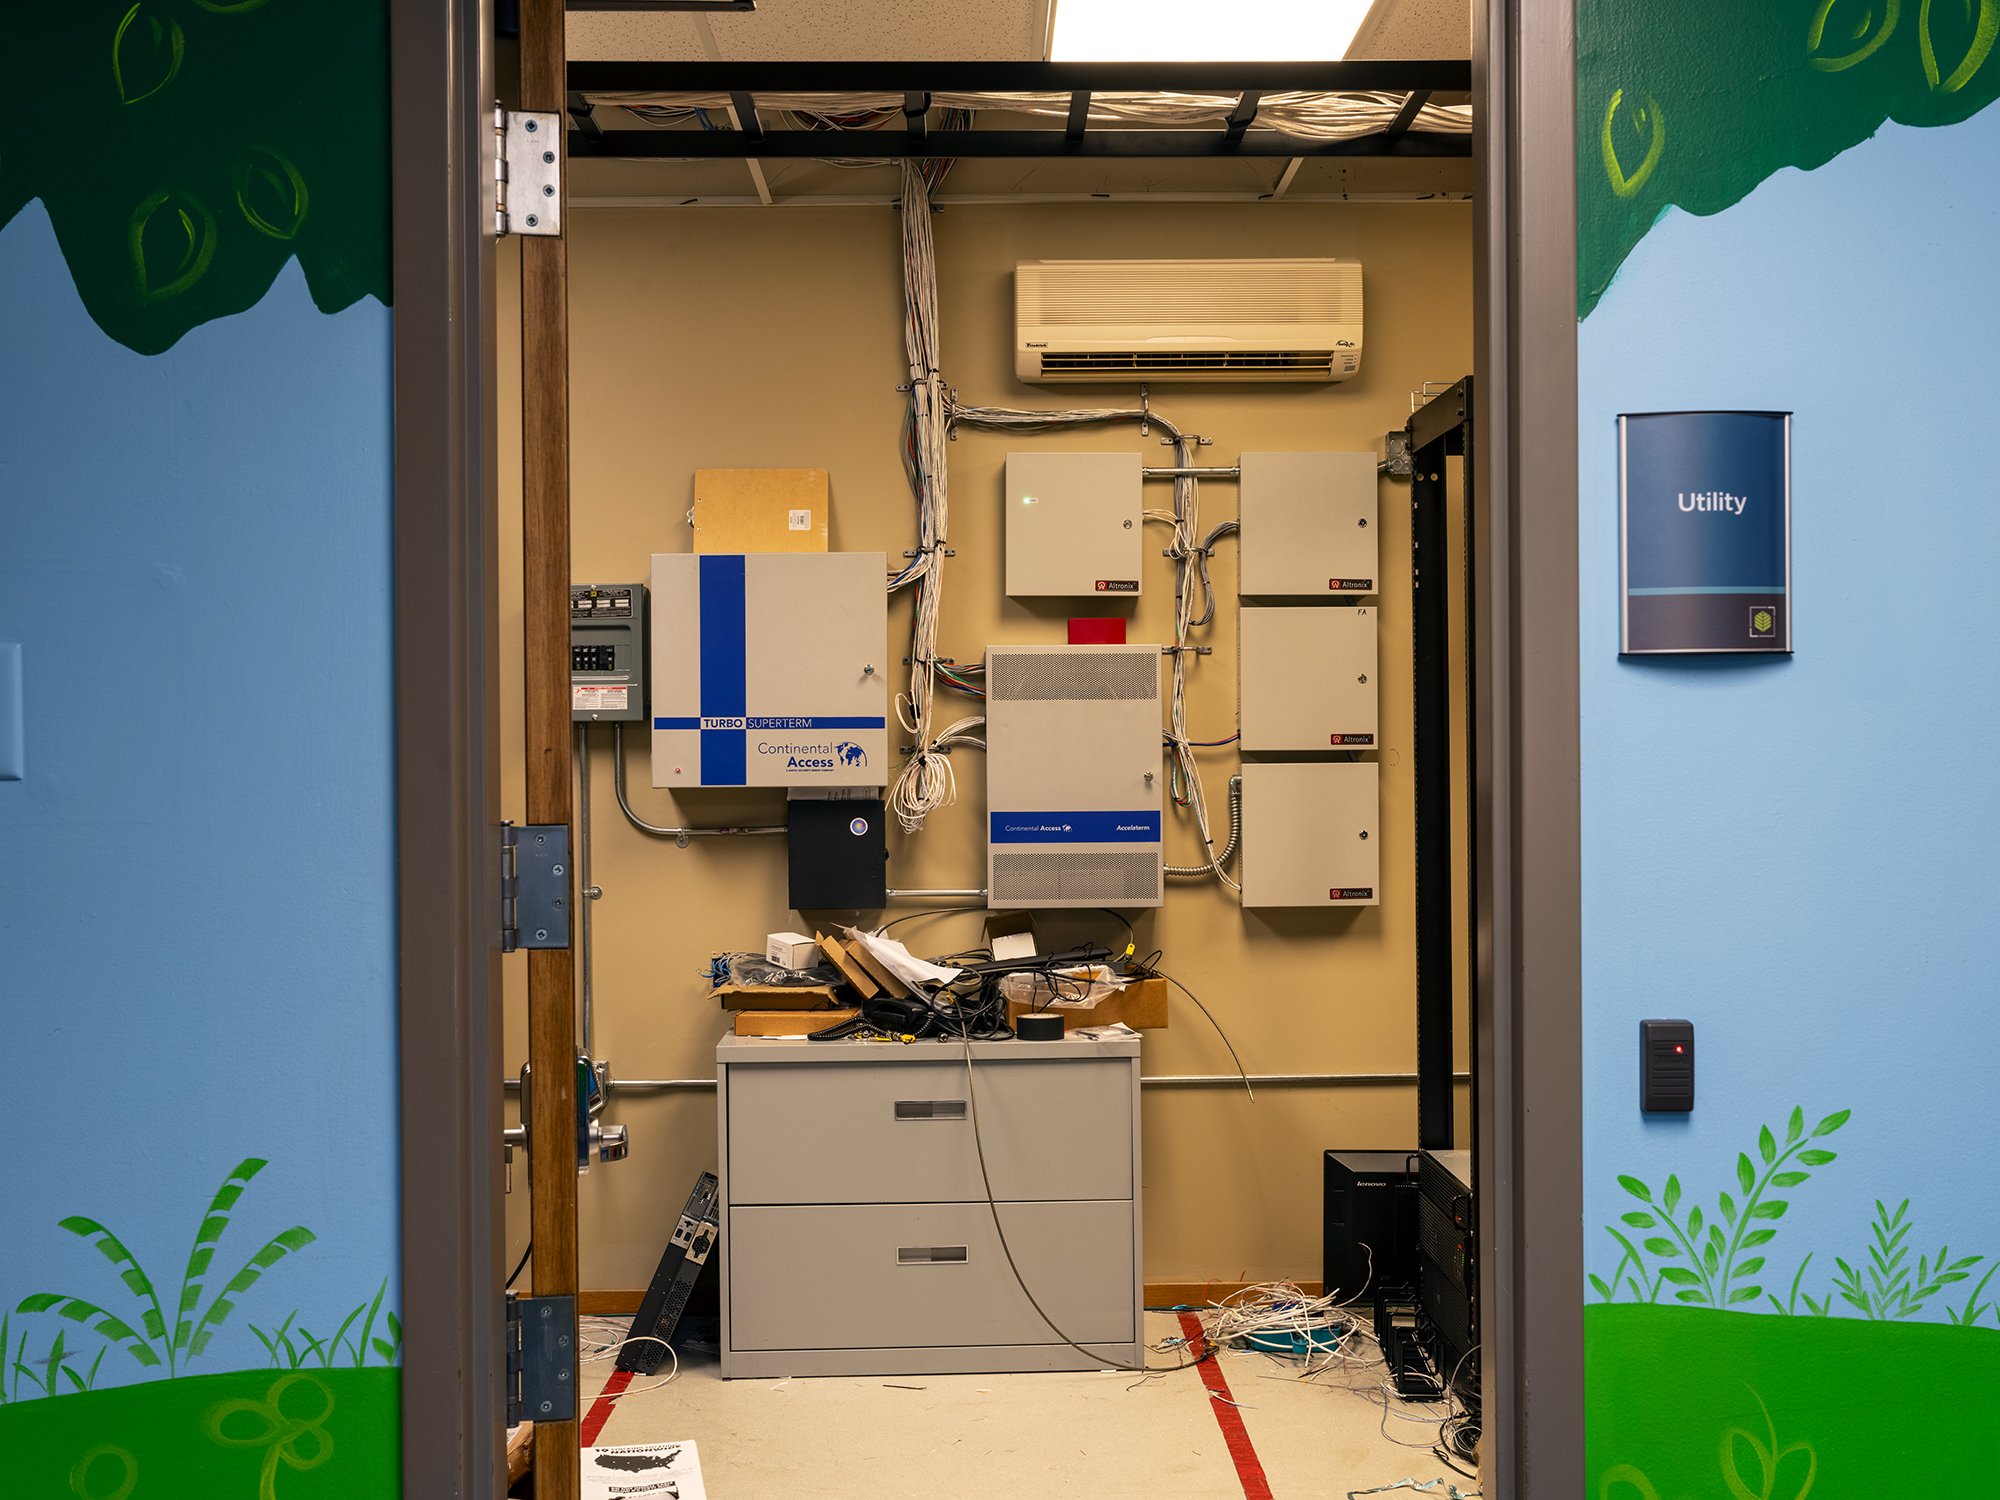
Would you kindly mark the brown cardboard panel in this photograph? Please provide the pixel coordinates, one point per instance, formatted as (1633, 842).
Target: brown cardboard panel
(789, 1022)
(1142, 1005)
(850, 969)
(760, 510)
(775, 996)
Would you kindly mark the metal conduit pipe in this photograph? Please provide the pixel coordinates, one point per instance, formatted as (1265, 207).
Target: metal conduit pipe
(586, 893)
(1193, 471)
(1157, 1080)
(1200, 872)
(679, 835)
(979, 891)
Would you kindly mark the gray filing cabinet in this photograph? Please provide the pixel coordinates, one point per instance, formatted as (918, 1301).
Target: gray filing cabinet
(857, 1238)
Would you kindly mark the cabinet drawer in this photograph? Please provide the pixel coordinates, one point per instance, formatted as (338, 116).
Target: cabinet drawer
(901, 1132)
(928, 1275)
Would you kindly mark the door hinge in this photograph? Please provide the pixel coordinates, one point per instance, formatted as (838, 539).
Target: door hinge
(527, 172)
(534, 886)
(541, 1359)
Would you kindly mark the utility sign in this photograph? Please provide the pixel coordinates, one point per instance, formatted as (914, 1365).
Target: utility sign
(1705, 531)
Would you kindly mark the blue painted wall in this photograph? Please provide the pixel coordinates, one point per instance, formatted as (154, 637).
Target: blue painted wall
(197, 940)
(1797, 854)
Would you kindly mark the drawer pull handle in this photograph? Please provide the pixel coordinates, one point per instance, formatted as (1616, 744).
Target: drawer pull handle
(930, 1255)
(930, 1109)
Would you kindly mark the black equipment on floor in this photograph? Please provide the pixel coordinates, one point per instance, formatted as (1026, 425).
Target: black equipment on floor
(1370, 1214)
(666, 1298)
(1448, 1260)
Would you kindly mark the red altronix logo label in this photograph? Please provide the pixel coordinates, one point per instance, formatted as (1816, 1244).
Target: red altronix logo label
(1350, 739)
(1117, 585)
(1351, 893)
(1351, 585)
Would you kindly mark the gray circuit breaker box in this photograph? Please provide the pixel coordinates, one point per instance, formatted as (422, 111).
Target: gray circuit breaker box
(1307, 677)
(607, 653)
(1311, 834)
(1073, 773)
(770, 669)
(1309, 525)
(1073, 525)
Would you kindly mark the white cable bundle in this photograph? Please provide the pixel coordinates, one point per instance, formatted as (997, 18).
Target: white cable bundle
(1259, 1317)
(1316, 116)
(925, 783)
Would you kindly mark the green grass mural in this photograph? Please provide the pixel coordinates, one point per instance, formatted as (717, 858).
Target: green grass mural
(186, 149)
(1705, 1381)
(1693, 104)
(319, 1420)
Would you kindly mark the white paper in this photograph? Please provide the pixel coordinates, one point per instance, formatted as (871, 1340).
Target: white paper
(899, 961)
(651, 1471)
(1105, 1032)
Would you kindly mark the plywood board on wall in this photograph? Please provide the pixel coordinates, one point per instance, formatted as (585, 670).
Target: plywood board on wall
(760, 510)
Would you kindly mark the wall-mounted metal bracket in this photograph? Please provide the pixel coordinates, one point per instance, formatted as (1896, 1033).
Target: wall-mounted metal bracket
(527, 172)
(534, 886)
(1396, 454)
(541, 1359)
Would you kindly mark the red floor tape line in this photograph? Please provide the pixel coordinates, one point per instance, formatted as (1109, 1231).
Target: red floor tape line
(601, 1408)
(1235, 1436)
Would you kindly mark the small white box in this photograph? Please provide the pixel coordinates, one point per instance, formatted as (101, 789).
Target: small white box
(1307, 677)
(1073, 524)
(1311, 834)
(791, 950)
(1309, 525)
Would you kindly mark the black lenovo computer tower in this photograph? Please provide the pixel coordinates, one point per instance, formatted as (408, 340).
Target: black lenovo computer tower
(1370, 1223)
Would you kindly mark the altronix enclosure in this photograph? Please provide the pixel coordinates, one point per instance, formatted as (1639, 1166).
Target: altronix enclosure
(1309, 525)
(1073, 524)
(1311, 834)
(607, 652)
(1073, 774)
(1307, 677)
(770, 669)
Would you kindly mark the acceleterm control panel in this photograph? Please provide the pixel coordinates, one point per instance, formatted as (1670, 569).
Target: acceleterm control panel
(607, 652)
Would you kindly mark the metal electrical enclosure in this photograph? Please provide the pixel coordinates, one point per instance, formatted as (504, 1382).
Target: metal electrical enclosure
(1073, 524)
(1312, 833)
(770, 669)
(607, 652)
(1309, 525)
(1307, 677)
(1073, 774)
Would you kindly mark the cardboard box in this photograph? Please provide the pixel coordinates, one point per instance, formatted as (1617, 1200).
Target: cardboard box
(789, 1022)
(775, 996)
(760, 510)
(1142, 1005)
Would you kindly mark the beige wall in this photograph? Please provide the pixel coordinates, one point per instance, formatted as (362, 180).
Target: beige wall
(724, 337)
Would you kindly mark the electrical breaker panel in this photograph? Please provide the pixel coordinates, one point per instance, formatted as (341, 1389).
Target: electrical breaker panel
(770, 669)
(1073, 771)
(1307, 677)
(607, 652)
(1311, 833)
(1073, 524)
(1309, 525)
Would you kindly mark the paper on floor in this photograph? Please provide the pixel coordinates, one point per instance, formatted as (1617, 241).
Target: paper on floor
(653, 1471)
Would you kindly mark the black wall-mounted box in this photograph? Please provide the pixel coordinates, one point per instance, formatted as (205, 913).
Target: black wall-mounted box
(838, 855)
(1666, 1067)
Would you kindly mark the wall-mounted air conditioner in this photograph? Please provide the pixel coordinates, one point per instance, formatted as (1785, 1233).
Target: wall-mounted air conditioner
(1188, 320)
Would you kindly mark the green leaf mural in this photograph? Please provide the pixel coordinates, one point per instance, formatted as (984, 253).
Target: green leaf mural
(155, 1342)
(185, 150)
(1692, 105)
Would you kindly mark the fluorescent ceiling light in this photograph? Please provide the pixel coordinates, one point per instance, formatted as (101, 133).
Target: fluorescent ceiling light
(1204, 30)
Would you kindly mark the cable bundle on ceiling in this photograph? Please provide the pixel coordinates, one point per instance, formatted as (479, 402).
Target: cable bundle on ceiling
(1310, 116)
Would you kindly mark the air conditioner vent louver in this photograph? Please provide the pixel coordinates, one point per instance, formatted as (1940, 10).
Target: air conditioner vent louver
(1227, 320)
(1164, 366)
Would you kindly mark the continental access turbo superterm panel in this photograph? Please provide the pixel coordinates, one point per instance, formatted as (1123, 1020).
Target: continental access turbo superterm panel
(1073, 775)
(1306, 677)
(1309, 525)
(1073, 525)
(1312, 834)
(769, 669)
